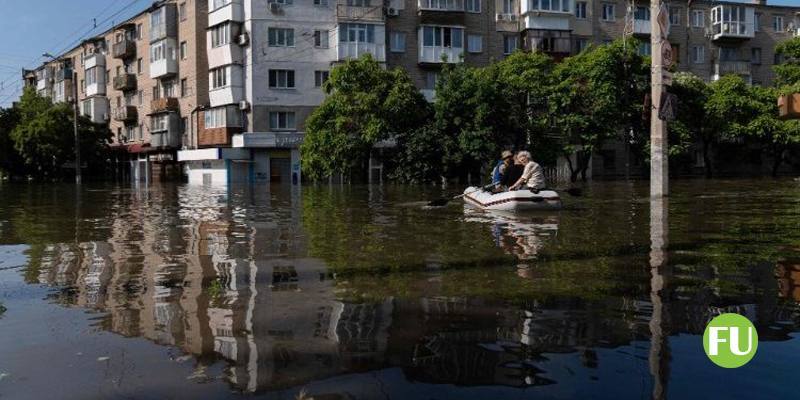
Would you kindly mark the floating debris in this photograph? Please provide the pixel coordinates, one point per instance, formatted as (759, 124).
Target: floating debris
(101, 359)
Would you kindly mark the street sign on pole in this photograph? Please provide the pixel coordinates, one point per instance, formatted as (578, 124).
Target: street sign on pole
(669, 103)
(667, 57)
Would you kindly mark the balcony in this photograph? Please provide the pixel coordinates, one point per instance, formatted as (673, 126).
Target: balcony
(125, 82)
(225, 55)
(564, 7)
(440, 55)
(164, 104)
(351, 50)
(731, 22)
(164, 22)
(96, 109)
(352, 12)
(165, 131)
(741, 68)
(440, 5)
(126, 114)
(166, 63)
(63, 74)
(220, 12)
(641, 26)
(94, 60)
(124, 49)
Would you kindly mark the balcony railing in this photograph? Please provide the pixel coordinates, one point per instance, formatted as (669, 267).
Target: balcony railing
(438, 54)
(63, 74)
(126, 114)
(441, 5)
(164, 104)
(641, 26)
(124, 49)
(359, 13)
(732, 67)
(351, 50)
(125, 82)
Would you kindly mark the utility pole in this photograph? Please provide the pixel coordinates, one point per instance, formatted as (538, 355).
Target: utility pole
(659, 162)
(75, 126)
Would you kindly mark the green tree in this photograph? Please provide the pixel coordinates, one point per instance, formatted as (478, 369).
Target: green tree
(787, 73)
(776, 136)
(10, 162)
(44, 137)
(597, 95)
(365, 104)
(692, 126)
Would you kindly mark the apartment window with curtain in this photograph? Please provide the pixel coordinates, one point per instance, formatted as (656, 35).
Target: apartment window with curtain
(549, 5)
(757, 22)
(281, 120)
(474, 43)
(168, 88)
(184, 88)
(473, 6)
(430, 80)
(674, 16)
(777, 23)
(321, 39)
(581, 44)
(221, 35)
(510, 43)
(698, 18)
(159, 123)
(357, 33)
(698, 54)
(91, 76)
(281, 79)
(280, 37)
(508, 7)
(580, 10)
(219, 77)
(755, 56)
(642, 13)
(397, 42)
(320, 77)
(609, 12)
(644, 49)
(221, 117)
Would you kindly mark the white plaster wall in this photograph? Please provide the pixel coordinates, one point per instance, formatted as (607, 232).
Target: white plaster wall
(217, 169)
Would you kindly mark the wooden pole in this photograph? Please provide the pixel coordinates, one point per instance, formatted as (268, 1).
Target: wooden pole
(659, 162)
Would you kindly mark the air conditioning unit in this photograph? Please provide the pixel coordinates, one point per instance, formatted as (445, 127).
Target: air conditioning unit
(244, 105)
(274, 8)
(243, 39)
(512, 17)
(501, 17)
(392, 12)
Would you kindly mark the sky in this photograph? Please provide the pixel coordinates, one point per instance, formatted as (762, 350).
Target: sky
(33, 27)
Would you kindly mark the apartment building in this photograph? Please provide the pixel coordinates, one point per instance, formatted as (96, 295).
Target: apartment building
(223, 87)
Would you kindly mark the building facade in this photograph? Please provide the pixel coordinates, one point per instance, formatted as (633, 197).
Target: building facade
(220, 90)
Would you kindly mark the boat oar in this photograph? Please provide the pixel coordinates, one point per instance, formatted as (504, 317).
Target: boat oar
(441, 202)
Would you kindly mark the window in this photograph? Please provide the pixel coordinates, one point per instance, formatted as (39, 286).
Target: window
(107, 76)
(221, 117)
(321, 39)
(183, 50)
(87, 108)
(159, 122)
(182, 11)
(221, 35)
(130, 132)
(473, 6)
(140, 96)
(698, 54)
(755, 55)
(434, 4)
(184, 88)
(219, 4)
(778, 59)
(509, 44)
(430, 80)
(474, 43)
(757, 22)
(361, 33)
(644, 49)
(162, 51)
(281, 120)
(83, 86)
(284, 2)
(281, 37)
(698, 18)
(281, 79)
(674, 16)
(642, 13)
(777, 23)
(549, 5)
(168, 88)
(609, 11)
(139, 66)
(320, 77)
(320, 2)
(437, 36)
(219, 77)
(91, 76)
(676, 53)
(138, 31)
(580, 10)
(581, 44)
(397, 42)
(358, 3)
(508, 7)
(156, 92)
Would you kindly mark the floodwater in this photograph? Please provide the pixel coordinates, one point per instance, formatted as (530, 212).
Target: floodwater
(357, 292)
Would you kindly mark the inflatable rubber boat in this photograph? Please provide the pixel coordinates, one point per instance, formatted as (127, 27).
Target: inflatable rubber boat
(517, 200)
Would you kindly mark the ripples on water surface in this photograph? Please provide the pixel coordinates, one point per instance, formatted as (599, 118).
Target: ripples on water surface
(356, 292)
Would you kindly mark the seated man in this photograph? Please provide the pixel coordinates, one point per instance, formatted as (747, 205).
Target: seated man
(500, 171)
(532, 176)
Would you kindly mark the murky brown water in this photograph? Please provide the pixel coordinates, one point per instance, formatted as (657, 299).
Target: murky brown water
(357, 292)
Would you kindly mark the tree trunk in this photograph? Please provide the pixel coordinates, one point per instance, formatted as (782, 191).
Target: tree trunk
(573, 175)
(776, 163)
(707, 159)
(583, 163)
